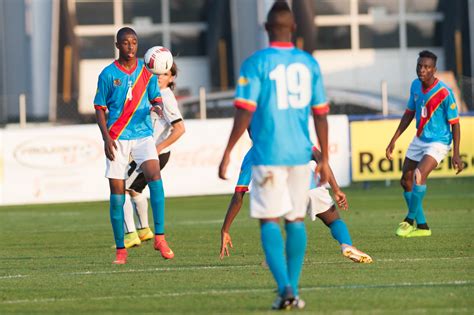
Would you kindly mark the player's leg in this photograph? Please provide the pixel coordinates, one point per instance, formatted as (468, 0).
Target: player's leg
(299, 178)
(409, 166)
(131, 236)
(340, 233)
(117, 199)
(265, 204)
(424, 168)
(140, 205)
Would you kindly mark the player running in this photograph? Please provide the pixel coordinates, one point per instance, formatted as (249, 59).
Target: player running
(320, 204)
(437, 122)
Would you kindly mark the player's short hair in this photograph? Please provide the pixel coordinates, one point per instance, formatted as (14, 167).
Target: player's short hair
(428, 54)
(278, 7)
(174, 73)
(124, 31)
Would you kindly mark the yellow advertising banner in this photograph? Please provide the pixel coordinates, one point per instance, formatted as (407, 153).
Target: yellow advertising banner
(369, 139)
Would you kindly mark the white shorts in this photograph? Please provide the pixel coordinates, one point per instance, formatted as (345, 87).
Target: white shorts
(319, 201)
(279, 191)
(139, 150)
(419, 148)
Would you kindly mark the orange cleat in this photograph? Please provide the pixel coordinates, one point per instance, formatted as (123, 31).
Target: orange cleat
(120, 257)
(162, 246)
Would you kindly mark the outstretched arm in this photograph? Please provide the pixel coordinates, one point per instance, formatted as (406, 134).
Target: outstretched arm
(176, 132)
(242, 120)
(404, 123)
(234, 208)
(457, 162)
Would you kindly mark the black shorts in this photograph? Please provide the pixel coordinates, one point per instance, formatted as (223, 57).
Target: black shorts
(139, 182)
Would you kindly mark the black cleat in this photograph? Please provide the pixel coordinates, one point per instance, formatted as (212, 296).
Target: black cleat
(284, 301)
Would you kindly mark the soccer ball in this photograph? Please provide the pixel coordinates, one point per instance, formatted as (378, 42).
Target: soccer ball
(158, 59)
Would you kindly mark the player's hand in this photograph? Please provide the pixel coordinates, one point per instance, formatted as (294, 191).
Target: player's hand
(322, 169)
(341, 200)
(158, 110)
(109, 147)
(223, 165)
(457, 163)
(225, 241)
(389, 150)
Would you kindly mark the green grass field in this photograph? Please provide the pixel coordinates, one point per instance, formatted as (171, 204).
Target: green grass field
(56, 259)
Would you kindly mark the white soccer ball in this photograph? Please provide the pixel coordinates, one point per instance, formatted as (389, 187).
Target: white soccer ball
(158, 59)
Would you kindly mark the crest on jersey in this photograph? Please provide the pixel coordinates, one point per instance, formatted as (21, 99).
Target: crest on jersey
(243, 81)
(453, 106)
(117, 82)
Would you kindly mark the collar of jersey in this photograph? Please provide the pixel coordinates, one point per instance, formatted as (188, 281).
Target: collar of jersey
(121, 68)
(430, 87)
(282, 45)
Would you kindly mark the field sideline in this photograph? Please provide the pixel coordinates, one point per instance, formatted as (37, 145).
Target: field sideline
(56, 259)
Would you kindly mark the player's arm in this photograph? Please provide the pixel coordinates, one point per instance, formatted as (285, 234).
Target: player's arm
(402, 126)
(176, 132)
(321, 127)
(457, 162)
(234, 208)
(339, 195)
(242, 120)
(109, 143)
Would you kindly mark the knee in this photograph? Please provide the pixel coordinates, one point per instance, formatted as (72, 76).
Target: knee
(406, 182)
(418, 177)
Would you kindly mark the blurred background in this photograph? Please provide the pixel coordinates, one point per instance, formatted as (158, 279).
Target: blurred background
(52, 51)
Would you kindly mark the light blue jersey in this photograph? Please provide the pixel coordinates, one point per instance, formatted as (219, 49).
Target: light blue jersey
(435, 111)
(128, 96)
(281, 84)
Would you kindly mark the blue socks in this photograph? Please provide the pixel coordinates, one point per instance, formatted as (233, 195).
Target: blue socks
(418, 194)
(157, 200)
(340, 232)
(295, 250)
(116, 218)
(272, 243)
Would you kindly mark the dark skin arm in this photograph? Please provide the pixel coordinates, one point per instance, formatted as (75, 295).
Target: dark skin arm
(404, 123)
(321, 127)
(109, 143)
(457, 162)
(234, 208)
(242, 120)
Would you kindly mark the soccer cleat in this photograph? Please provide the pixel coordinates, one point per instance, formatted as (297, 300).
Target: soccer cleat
(162, 246)
(298, 303)
(145, 234)
(356, 255)
(120, 256)
(131, 239)
(284, 301)
(419, 232)
(404, 228)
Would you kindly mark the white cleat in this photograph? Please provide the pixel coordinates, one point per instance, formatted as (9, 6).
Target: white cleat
(356, 255)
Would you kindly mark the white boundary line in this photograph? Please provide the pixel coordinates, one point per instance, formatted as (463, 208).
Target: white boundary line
(218, 267)
(245, 291)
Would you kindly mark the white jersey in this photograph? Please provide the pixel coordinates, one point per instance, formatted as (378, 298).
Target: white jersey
(162, 125)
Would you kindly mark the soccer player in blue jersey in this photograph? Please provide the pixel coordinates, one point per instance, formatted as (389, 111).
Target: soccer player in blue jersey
(320, 205)
(277, 88)
(128, 90)
(437, 122)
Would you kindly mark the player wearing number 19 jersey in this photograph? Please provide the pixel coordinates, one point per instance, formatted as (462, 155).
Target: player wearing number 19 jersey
(277, 89)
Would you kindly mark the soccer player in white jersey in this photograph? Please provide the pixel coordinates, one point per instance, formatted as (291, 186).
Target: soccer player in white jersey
(168, 128)
(320, 205)
(437, 122)
(277, 89)
(127, 90)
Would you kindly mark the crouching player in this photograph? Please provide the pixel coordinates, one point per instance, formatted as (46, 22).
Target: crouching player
(320, 206)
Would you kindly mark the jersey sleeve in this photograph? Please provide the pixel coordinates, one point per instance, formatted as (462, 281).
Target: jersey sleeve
(100, 99)
(451, 109)
(170, 109)
(245, 175)
(248, 87)
(154, 95)
(411, 107)
(319, 102)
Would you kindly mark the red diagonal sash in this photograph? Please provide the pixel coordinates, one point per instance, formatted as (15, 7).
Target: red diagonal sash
(130, 106)
(431, 106)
